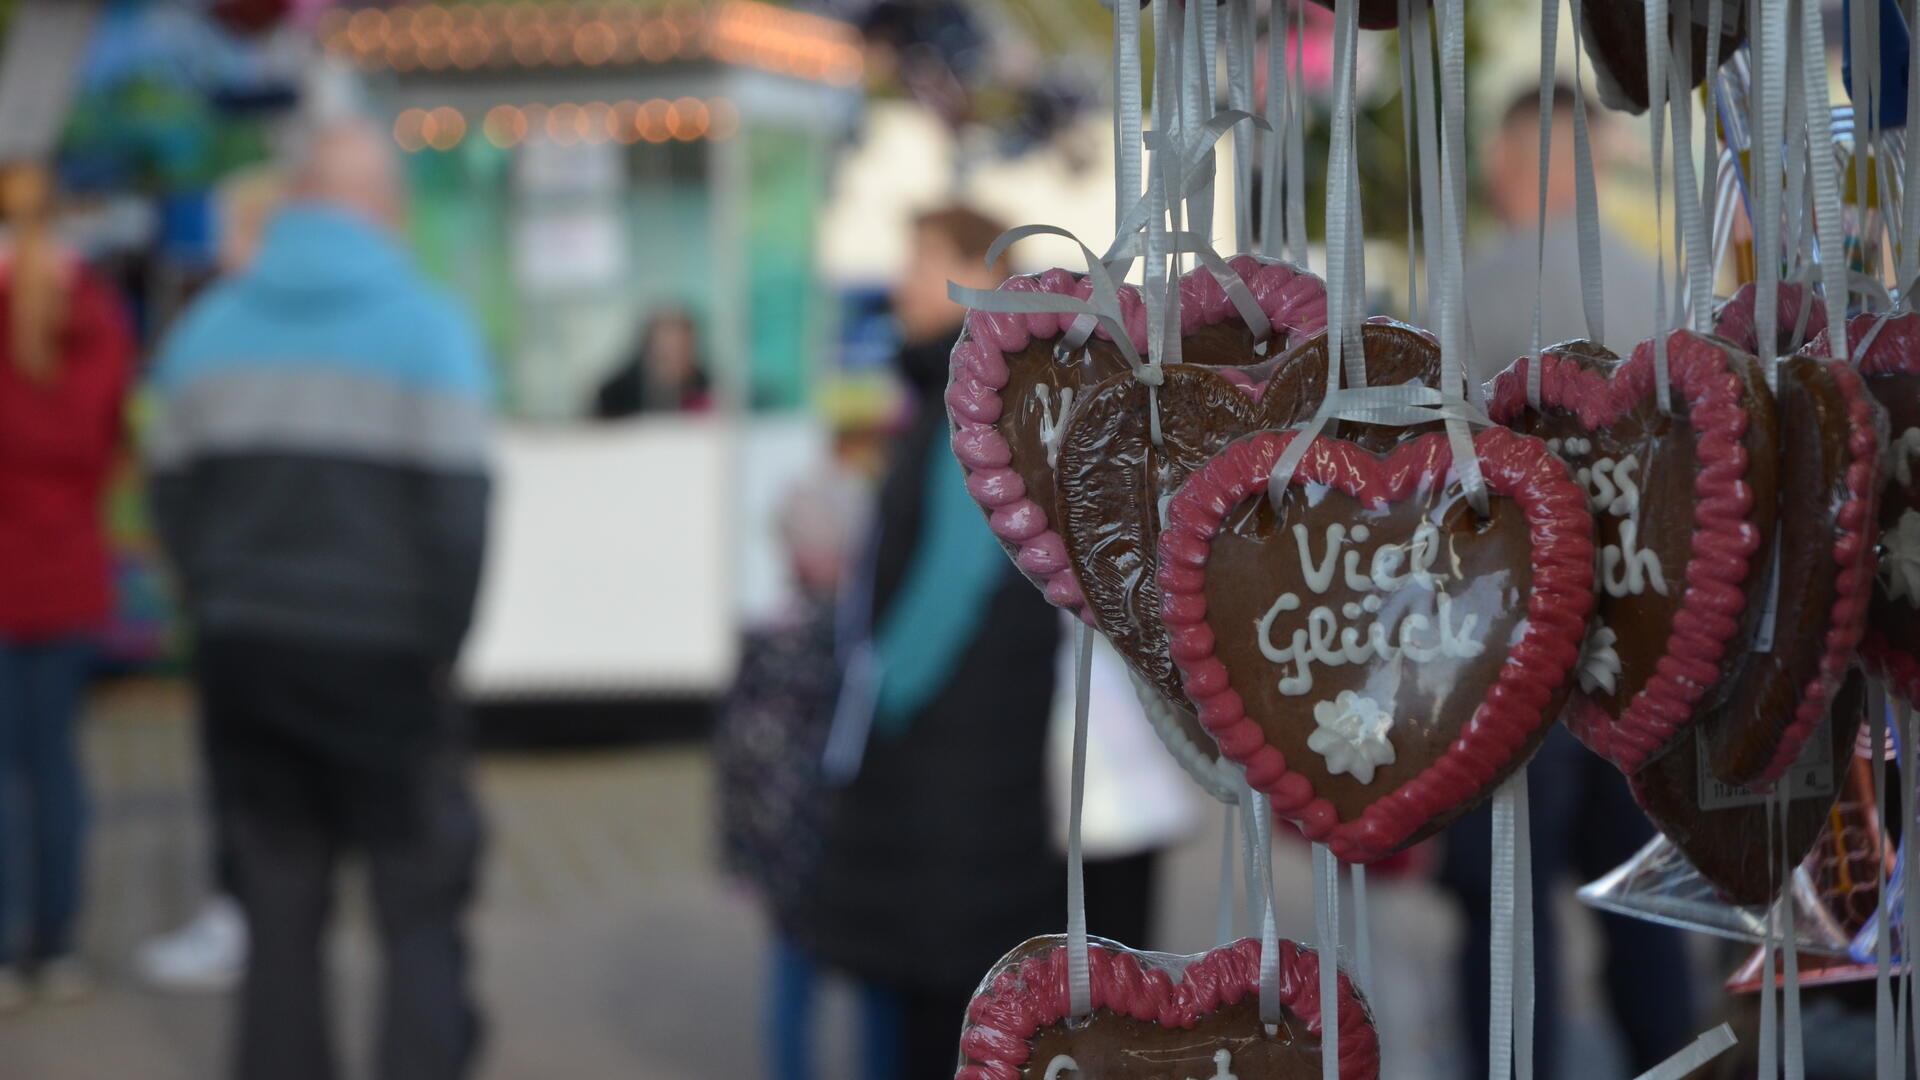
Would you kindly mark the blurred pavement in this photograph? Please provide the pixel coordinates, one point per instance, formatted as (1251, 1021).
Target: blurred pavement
(607, 946)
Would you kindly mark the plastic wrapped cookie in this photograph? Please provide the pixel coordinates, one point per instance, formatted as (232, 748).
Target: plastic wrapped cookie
(1157, 1016)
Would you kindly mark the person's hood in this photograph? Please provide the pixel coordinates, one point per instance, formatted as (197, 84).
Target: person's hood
(312, 252)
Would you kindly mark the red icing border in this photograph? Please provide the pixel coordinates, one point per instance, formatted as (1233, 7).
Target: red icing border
(1895, 350)
(1515, 466)
(1734, 319)
(1724, 538)
(1855, 535)
(1033, 994)
(1291, 297)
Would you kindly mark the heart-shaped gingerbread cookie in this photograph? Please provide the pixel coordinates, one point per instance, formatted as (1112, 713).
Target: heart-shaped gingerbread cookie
(1722, 828)
(1114, 481)
(1157, 1017)
(1829, 460)
(1682, 501)
(1795, 322)
(1374, 14)
(1010, 392)
(1890, 364)
(1615, 35)
(1373, 653)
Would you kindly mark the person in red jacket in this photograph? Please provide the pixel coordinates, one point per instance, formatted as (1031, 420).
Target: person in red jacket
(65, 361)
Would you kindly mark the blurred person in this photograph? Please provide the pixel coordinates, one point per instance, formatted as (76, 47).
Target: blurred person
(935, 854)
(1137, 802)
(209, 952)
(66, 358)
(768, 740)
(1584, 820)
(1501, 268)
(664, 373)
(320, 479)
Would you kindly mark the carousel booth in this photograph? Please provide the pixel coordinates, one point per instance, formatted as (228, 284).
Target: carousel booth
(579, 172)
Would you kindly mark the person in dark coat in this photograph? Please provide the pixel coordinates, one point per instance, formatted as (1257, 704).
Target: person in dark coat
(662, 375)
(935, 857)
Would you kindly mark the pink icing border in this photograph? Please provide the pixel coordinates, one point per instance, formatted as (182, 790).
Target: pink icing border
(1734, 320)
(1033, 994)
(1895, 350)
(1561, 597)
(1855, 527)
(1724, 537)
(977, 372)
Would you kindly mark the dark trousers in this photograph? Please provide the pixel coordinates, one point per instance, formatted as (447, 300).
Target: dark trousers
(1584, 823)
(314, 752)
(42, 797)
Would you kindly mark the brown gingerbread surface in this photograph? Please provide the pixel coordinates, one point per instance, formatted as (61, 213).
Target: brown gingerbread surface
(1109, 1046)
(1456, 599)
(1615, 35)
(1728, 845)
(1758, 700)
(1895, 614)
(1112, 479)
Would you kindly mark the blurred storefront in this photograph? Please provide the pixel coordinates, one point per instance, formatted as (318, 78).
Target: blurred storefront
(578, 165)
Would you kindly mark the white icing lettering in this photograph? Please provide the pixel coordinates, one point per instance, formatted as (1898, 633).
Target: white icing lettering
(1062, 1063)
(1319, 578)
(1900, 565)
(1901, 450)
(1322, 639)
(1613, 487)
(1053, 428)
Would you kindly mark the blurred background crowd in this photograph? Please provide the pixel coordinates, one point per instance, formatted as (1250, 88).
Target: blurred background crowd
(484, 590)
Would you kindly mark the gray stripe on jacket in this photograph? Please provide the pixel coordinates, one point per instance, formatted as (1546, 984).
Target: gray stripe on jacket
(307, 410)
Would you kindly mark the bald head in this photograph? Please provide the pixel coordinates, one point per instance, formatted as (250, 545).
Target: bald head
(350, 164)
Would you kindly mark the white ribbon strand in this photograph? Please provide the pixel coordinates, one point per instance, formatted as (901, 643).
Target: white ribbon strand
(1079, 967)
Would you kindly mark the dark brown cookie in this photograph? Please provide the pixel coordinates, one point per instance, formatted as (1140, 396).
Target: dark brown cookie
(1615, 35)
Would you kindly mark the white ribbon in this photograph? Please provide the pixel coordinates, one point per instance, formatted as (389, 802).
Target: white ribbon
(1770, 67)
(1586, 199)
(1079, 967)
(1273, 223)
(1261, 814)
(1126, 108)
(1326, 928)
(1695, 1054)
(1404, 27)
(1362, 932)
(1297, 142)
(1427, 119)
(1698, 269)
(1240, 99)
(1883, 1055)
(1910, 173)
(1501, 955)
(1523, 988)
(1657, 51)
(1223, 916)
(1455, 350)
(1826, 187)
(1549, 43)
(1794, 1058)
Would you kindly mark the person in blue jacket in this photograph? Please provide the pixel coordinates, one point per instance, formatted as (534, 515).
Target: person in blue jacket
(320, 481)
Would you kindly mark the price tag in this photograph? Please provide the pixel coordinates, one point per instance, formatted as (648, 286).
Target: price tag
(1810, 776)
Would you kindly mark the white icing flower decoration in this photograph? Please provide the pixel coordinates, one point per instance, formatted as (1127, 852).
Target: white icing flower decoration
(1900, 562)
(1351, 734)
(1599, 665)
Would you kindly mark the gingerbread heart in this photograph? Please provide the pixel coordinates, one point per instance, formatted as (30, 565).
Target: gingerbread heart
(1795, 323)
(1681, 504)
(1158, 1017)
(1890, 364)
(1829, 460)
(1615, 35)
(1010, 392)
(1114, 481)
(1374, 14)
(1722, 828)
(1373, 653)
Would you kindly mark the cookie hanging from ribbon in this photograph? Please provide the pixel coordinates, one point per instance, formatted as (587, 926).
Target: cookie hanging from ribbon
(1374, 14)
(1157, 1016)
(1829, 461)
(1890, 365)
(1722, 828)
(1796, 320)
(1114, 482)
(1376, 655)
(1013, 388)
(1683, 502)
(1615, 35)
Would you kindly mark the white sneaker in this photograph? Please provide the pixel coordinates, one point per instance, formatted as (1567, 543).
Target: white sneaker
(13, 991)
(207, 955)
(64, 980)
